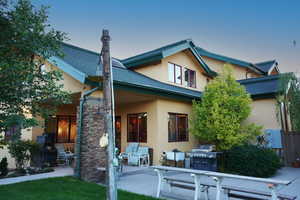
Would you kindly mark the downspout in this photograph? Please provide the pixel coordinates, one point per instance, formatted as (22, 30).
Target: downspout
(77, 172)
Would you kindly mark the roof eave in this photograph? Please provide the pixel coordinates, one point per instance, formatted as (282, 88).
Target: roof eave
(148, 90)
(139, 62)
(67, 68)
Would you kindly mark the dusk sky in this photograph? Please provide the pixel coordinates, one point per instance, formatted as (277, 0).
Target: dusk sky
(249, 30)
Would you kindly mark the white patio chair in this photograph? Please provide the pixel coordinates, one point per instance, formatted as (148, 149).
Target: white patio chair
(140, 158)
(63, 155)
(131, 148)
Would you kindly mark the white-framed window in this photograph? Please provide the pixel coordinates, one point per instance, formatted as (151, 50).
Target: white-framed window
(175, 73)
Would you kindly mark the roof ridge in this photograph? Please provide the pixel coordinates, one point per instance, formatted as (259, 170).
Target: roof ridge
(217, 54)
(79, 48)
(259, 79)
(264, 62)
(87, 50)
(153, 50)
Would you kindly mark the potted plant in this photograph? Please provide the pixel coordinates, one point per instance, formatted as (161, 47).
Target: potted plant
(296, 164)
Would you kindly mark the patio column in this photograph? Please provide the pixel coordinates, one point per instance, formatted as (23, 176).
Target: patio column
(92, 157)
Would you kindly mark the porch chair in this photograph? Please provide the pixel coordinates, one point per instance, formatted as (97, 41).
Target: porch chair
(131, 148)
(140, 158)
(63, 155)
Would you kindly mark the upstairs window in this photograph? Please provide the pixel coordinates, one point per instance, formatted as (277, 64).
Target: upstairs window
(189, 78)
(175, 73)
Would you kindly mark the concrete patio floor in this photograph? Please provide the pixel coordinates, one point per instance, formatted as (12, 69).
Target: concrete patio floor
(144, 181)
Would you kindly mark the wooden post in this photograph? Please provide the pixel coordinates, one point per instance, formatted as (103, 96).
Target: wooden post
(111, 191)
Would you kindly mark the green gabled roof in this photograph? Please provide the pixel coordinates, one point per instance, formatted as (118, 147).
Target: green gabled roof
(82, 64)
(162, 52)
(227, 59)
(267, 65)
(262, 87)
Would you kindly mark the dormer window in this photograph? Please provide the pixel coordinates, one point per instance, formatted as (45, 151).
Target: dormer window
(175, 73)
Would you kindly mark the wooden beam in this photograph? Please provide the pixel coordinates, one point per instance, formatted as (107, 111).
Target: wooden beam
(111, 191)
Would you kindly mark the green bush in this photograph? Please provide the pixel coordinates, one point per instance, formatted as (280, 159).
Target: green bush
(220, 115)
(251, 160)
(3, 167)
(22, 151)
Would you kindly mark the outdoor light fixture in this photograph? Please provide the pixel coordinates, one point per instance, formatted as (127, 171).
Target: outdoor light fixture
(103, 142)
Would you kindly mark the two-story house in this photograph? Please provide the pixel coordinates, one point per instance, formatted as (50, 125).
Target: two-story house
(153, 94)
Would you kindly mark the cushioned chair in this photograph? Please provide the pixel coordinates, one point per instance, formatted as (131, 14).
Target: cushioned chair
(131, 148)
(63, 155)
(140, 158)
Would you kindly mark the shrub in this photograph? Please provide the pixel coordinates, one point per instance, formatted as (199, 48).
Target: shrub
(251, 160)
(3, 167)
(22, 152)
(218, 118)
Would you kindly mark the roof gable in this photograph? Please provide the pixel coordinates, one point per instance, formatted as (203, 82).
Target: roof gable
(165, 51)
(82, 64)
(267, 66)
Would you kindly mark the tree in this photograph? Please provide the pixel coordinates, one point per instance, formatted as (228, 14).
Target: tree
(219, 116)
(289, 102)
(26, 41)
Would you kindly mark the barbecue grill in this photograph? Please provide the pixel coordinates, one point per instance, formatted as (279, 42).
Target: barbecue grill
(48, 152)
(203, 158)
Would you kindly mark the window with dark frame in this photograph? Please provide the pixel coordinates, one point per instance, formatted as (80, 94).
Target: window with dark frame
(178, 127)
(9, 132)
(66, 129)
(137, 127)
(190, 78)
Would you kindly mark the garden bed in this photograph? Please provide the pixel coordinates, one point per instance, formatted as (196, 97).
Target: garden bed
(29, 171)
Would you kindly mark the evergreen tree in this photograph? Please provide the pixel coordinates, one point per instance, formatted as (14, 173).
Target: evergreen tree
(218, 118)
(26, 41)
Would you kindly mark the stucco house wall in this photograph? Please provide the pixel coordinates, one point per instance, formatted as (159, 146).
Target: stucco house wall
(239, 72)
(184, 59)
(149, 107)
(264, 113)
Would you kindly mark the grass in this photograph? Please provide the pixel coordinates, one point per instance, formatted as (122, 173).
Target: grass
(63, 188)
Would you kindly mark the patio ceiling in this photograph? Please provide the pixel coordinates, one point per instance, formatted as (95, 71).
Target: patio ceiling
(123, 97)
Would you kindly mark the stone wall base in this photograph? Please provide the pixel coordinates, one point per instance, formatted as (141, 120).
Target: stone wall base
(92, 155)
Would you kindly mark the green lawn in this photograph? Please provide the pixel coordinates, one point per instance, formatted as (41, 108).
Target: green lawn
(64, 188)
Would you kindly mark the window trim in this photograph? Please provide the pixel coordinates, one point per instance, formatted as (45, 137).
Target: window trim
(9, 132)
(138, 134)
(187, 127)
(69, 132)
(174, 74)
(189, 85)
(182, 71)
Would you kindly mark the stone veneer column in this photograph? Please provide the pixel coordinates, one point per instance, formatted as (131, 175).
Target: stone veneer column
(92, 156)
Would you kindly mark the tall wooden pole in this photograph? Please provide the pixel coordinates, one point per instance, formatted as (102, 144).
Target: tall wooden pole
(111, 191)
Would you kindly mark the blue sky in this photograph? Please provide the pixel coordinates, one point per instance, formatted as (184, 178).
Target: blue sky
(250, 30)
